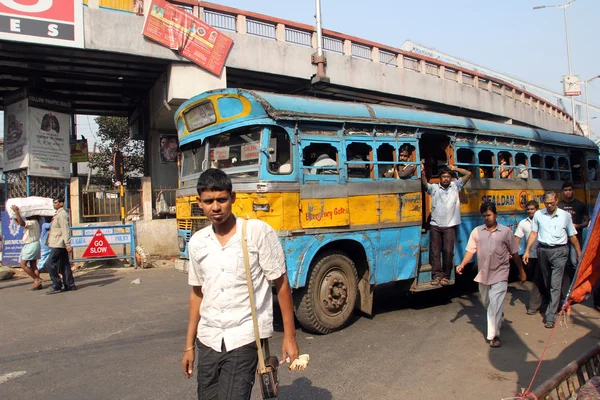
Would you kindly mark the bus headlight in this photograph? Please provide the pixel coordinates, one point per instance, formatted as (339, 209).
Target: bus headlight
(181, 243)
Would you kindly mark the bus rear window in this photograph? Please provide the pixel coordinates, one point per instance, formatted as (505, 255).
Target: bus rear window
(200, 116)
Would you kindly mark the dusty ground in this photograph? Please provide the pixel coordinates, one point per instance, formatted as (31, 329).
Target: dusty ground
(112, 339)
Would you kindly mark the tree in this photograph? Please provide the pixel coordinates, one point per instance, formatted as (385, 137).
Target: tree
(113, 135)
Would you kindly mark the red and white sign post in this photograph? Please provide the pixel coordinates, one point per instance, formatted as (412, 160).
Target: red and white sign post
(99, 247)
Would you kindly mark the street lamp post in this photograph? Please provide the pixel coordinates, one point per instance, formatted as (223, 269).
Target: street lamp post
(587, 105)
(564, 7)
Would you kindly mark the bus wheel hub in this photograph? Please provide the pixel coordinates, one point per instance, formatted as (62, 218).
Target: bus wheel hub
(334, 292)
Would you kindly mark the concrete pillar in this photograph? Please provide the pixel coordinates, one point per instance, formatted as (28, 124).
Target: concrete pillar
(313, 40)
(280, 33)
(422, 67)
(459, 76)
(400, 60)
(475, 81)
(347, 47)
(509, 92)
(375, 54)
(74, 202)
(240, 24)
(489, 86)
(201, 14)
(441, 71)
(147, 198)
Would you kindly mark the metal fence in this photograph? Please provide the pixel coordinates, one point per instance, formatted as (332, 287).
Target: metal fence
(333, 45)
(257, 28)
(220, 20)
(388, 58)
(360, 51)
(105, 204)
(298, 37)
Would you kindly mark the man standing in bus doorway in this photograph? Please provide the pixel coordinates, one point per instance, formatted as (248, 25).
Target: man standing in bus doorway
(494, 243)
(220, 314)
(445, 217)
(533, 269)
(581, 219)
(553, 228)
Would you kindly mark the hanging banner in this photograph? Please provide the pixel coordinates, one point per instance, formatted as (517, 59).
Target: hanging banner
(53, 22)
(49, 148)
(12, 234)
(15, 136)
(191, 37)
(79, 151)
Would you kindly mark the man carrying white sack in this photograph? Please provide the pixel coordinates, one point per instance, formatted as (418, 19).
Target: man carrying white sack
(30, 253)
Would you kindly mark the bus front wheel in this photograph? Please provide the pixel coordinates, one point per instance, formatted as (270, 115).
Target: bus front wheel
(327, 301)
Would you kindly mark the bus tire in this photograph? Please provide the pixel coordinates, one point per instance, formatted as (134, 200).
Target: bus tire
(327, 301)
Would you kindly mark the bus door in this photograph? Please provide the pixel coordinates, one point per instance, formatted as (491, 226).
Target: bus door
(436, 150)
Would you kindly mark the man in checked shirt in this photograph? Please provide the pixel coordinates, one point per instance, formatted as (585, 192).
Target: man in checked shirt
(220, 314)
(493, 243)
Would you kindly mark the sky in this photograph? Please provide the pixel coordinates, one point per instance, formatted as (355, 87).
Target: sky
(507, 36)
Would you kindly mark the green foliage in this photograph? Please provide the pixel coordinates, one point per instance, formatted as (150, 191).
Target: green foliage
(113, 135)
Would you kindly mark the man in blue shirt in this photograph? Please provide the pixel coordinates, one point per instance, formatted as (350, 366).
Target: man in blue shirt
(553, 228)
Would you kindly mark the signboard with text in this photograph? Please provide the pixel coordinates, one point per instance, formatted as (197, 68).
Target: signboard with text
(193, 38)
(52, 22)
(100, 241)
(12, 234)
(572, 85)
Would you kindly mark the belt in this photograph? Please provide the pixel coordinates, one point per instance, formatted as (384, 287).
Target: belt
(547, 246)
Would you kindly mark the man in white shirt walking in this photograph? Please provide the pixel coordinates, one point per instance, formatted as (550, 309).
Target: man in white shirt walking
(445, 217)
(533, 271)
(31, 251)
(553, 228)
(220, 314)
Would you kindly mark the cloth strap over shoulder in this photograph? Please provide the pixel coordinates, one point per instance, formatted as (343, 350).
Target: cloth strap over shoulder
(261, 358)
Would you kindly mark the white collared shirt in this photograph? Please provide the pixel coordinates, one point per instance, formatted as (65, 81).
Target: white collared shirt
(445, 203)
(225, 310)
(524, 230)
(553, 230)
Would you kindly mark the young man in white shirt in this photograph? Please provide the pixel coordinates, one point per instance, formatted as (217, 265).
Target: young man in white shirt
(220, 313)
(537, 284)
(31, 251)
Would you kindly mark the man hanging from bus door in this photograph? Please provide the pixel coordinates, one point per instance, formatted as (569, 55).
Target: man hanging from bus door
(445, 217)
(493, 243)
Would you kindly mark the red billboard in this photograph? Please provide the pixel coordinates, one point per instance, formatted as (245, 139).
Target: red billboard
(191, 37)
(54, 22)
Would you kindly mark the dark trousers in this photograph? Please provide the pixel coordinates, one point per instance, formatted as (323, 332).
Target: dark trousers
(538, 292)
(228, 375)
(552, 265)
(570, 270)
(58, 263)
(442, 241)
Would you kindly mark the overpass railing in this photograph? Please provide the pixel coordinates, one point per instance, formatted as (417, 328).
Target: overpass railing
(267, 27)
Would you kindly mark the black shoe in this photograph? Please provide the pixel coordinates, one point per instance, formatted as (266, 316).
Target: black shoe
(531, 312)
(549, 325)
(54, 291)
(70, 289)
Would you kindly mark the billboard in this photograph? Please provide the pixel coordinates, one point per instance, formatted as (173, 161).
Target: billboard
(12, 234)
(15, 136)
(572, 85)
(191, 37)
(53, 22)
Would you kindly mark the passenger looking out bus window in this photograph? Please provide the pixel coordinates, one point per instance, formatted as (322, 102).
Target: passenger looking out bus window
(403, 170)
(356, 155)
(563, 166)
(522, 171)
(321, 156)
(504, 160)
(486, 160)
(549, 165)
(445, 217)
(466, 156)
(280, 152)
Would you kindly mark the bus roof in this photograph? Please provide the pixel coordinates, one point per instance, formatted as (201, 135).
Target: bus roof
(286, 107)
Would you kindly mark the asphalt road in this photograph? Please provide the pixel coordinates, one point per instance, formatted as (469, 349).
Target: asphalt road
(116, 340)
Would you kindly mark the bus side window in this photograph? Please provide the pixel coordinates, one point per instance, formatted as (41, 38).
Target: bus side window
(549, 165)
(486, 161)
(358, 158)
(465, 158)
(593, 170)
(386, 158)
(280, 152)
(536, 162)
(577, 160)
(522, 172)
(322, 157)
(564, 170)
(505, 171)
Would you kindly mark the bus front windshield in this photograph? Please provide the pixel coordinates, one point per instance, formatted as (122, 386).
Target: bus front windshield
(236, 152)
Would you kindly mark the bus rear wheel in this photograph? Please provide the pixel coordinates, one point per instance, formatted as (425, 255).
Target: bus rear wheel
(328, 300)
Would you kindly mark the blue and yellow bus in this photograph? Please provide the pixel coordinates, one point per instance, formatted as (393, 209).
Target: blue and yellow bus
(324, 175)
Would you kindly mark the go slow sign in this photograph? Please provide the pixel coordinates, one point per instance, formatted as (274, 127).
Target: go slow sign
(99, 247)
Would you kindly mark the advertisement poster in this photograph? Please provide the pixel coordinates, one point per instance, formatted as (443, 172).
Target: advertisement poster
(168, 148)
(193, 38)
(53, 22)
(49, 148)
(15, 136)
(12, 233)
(79, 151)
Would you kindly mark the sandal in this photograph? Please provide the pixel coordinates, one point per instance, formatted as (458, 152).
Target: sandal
(38, 287)
(445, 282)
(495, 342)
(436, 281)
